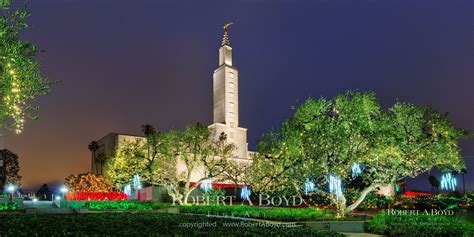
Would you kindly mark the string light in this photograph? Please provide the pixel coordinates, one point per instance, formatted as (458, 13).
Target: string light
(356, 170)
(245, 193)
(448, 182)
(136, 182)
(206, 185)
(309, 186)
(14, 100)
(335, 186)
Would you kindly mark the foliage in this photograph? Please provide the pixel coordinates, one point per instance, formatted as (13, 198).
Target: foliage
(422, 203)
(468, 201)
(213, 196)
(157, 159)
(97, 159)
(20, 78)
(420, 225)
(326, 137)
(280, 214)
(44, 193)
(9, 206)
(117, 205)
(142, 224)
(88, 182)
(373, 200)
(11, 167)
(96, 196)
(434, 182)
(318, 199)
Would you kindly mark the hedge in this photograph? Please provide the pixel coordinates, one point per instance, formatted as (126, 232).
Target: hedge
(279, 213)
(420, 225)
(140, 224)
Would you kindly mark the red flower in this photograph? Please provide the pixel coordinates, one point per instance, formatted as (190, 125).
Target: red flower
(97, 196)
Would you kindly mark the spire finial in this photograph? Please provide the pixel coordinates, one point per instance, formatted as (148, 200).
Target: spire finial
(225, 40)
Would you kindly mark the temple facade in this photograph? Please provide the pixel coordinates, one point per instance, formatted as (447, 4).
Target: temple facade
(225, 117)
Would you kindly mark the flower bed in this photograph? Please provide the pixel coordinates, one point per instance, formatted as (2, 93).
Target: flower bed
(282, 214)
(96, 196)
(142, 224)
(419, 225)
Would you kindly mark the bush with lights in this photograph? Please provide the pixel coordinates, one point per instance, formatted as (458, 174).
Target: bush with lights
(90, 186)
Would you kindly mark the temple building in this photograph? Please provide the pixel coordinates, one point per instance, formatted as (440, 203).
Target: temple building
(225, 116)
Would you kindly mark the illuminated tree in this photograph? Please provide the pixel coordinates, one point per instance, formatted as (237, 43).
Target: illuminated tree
(11, 169)
(327, 137)
(237, 173)
(88, 182)
(167, 159)
(20, 78)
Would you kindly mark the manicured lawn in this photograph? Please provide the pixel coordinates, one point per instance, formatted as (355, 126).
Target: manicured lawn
(140, 224)
(420, 225)
(281, 214)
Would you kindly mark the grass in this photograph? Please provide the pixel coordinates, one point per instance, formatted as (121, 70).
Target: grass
(420, 225)
(280, 214)
(140, 224)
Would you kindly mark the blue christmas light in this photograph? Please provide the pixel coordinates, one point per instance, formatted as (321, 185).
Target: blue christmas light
(448, 182)
(356, 170)
(136, 182)
(245, 193)
(309, 186)
(127, 190)
(206, 185)
(335, 186)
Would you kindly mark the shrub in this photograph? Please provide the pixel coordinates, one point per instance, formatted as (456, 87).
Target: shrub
(280, 213)
(419, 225)
(212, 196)
(117, 205)
(9, 206)
(88, 182)
(439, 202)
(142, 224)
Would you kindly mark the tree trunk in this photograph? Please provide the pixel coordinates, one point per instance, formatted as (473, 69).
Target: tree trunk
(186, 197)
(463, 184)
(361, 197)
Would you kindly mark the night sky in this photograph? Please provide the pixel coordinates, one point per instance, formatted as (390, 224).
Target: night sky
(125, 63)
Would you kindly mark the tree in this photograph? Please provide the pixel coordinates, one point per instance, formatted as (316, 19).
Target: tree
(88, 182)
(237, 172)
(93, 147)
(434, 182)
(463, 172)
(197, 150)
(44, 193)
(325, 138)
(10, 169)
(148, 129)
(20, 78)
(168, 159)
